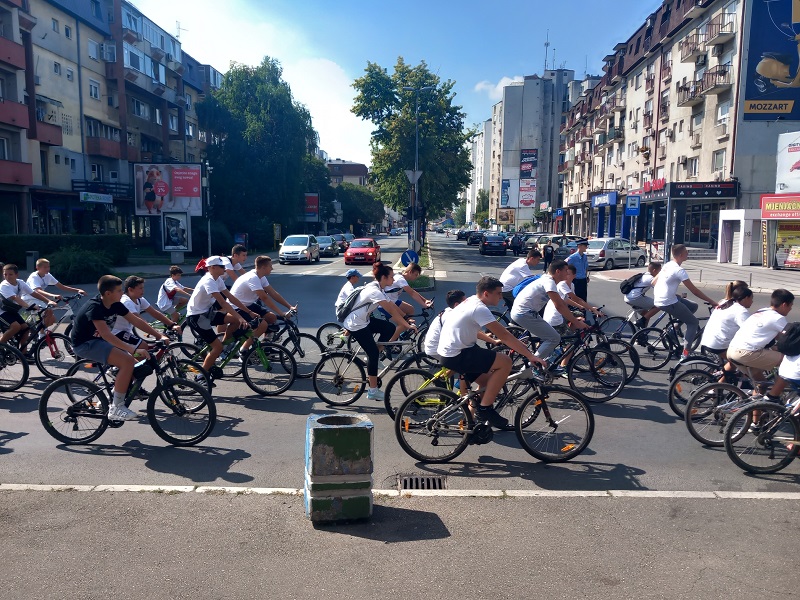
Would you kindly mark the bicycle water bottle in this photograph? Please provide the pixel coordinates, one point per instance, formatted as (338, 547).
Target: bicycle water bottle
(555, 355)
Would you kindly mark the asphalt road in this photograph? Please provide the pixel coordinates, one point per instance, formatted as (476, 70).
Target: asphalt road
(638, 443)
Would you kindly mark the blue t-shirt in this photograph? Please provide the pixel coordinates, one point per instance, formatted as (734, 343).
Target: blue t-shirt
(581, 264)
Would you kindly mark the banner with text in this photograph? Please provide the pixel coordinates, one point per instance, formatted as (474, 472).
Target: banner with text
(528, 163)
(167, 188)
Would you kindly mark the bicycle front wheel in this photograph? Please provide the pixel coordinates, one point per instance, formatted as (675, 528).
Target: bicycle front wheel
(628, 354)
(269, 370)
(762, 438)
(74, 410)
(432, 427)
(654, 348)
(597, 374)
(554, 424)
(685, 385)
(339, 379)
(307, 352)
(618, 328)
(709, 410)
(181, 412)
(403, 384)
(54, 355)
(14, 369)
(331, 336)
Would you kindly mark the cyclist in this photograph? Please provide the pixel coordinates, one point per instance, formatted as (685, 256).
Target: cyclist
(92, 339)
(168, 301)
(401, 284)
(517, 271)
(133, 299)
(352, 276)
(234, 264)
(638, 299)
(534, 297)
(13, 290)
(208, 307)
(38, 281)
(459, 351)
(725, 320)
(665, 295)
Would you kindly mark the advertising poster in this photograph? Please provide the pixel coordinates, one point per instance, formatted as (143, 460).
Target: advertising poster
(528, 163)
(527, 185)
(167, 188)
(772, 85)
(312, 208)
(787, 173)
(787, 253)
(505, 216)
(505, 186)
(176, 231)
(527, 193)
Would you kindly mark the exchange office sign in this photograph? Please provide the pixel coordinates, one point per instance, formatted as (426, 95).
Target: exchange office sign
(780, 206)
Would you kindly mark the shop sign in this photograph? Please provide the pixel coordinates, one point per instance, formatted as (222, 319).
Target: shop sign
(787, 253)
(544, 205)
(703, 190)
(654, 186)
(780, 206)
(609, 199)
(99, 198)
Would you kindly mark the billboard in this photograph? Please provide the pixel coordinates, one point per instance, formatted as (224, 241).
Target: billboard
(787, 174)
(772, 84)
(528, 163)
(167, 188)
(505, 186)
(505, 216)
(176, 231)
(312, 208)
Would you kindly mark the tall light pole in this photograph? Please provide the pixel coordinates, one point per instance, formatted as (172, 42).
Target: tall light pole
(414, 176)
(207, 184)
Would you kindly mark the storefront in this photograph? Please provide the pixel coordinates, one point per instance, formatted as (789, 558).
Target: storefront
(651, 223)
(696, 208)
(780, 230)
(604, 214)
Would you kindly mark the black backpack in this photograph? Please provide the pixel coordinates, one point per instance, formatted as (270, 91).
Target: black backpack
(349, 305)
(628, 285)
(788, 340)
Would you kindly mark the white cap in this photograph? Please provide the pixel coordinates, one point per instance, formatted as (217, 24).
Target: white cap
(214, 261)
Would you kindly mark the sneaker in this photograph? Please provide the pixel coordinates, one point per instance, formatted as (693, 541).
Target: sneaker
(199, 378)
(641, 323)
(559, 371)
(121, 413)
(375, 394)
(488, 413)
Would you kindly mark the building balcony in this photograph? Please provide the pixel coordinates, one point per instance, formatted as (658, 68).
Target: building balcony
(694, 8)
(647, 120)
(49, 134)
(650, 84)
(157, 53)
(16, 173)
(585, 134)
(599, 125)
(566, 166)
(717, 80)
(666, 71)
(14, 114)
(696, 139)
(562, 147)
(662, 152)
(130, 35)
(605, 82)
(618, 103)
(617, 69)
(721, 29)
(647, 45)
(12, 53)
(616, 134)
(690, 94)
(601, 140)
(101, 146)
(691, 47)
(120, 190)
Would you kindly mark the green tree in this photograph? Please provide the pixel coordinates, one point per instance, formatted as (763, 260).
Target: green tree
(360, 207)
(443, 156)
(482, 202)
(259, 137)
(460, 215)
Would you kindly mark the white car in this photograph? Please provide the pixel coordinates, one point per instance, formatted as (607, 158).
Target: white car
(607, 253)
(299, 248)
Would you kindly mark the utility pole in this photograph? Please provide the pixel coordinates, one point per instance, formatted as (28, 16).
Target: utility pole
(413, 176)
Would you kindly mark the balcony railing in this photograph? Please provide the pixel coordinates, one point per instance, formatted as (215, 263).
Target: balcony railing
(49, 134)
(14, 114)
(647, 120)
(717, 80)
(649, 83)
(616, 134)
(691, 47)
(101, 146)
(690, 94)
(721, 29)
(666, 71)
(662, 152)
(695, 8)
(617, 69)
(12, 53)
(121, 190)
(16, 173)
(663, 111)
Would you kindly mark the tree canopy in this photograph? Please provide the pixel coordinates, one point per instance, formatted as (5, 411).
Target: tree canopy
(359, 205)
(443, 155)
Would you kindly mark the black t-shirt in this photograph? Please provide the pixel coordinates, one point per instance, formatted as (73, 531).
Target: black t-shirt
(548, 251)
(84, 330)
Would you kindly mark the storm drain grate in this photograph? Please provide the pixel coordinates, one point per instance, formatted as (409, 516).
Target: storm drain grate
(421, 482)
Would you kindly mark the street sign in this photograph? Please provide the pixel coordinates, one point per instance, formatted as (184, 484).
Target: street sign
(413, 176)
(408, 257)
(632, 206)
(559, 212)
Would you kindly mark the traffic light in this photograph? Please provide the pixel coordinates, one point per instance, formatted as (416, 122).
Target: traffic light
(408, 213)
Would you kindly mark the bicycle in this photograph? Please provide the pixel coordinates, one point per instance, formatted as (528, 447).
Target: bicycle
(553, 424)
(657, 347)
(74, 410)
(14, 369)
(305, 348)
(52, 352)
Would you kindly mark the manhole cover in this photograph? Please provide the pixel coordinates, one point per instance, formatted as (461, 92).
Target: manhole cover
(421, 482)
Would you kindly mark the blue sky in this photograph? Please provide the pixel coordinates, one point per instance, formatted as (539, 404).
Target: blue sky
(324, 46)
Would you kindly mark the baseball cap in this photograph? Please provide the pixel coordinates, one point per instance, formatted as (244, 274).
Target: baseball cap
(214, 261)
(352, 272)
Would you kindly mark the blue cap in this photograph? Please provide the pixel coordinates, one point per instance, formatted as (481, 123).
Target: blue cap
(583, 242)
(351, 273)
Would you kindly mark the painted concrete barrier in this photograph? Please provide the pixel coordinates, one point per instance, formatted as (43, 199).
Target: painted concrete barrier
(339, 465)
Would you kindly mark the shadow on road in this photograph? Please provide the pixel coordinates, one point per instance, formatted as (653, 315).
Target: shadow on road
(391, 525)
(9, 436)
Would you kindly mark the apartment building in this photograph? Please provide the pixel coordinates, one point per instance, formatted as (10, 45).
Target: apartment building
(104, 88)
(480, 152)
(344, 171)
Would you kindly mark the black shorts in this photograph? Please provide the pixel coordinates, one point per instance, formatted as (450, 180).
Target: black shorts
(471, 362)
(256, 308)
(201, 325)
(8, 317)
(129, 338)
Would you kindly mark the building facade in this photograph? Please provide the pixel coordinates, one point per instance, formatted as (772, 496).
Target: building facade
(480, 157)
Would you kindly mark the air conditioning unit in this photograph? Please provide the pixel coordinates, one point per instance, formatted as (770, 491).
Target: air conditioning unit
(649, 131)
(170, 58)
(620, 186)
(113, 176)
(701, 61)
(682, 160)
(716, 50)
(722, 130)
(37, 80)
(670, 134)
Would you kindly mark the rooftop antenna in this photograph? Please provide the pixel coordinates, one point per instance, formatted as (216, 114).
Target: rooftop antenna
(179, 28)
(546, 47)
(586, 67)
(554, 59)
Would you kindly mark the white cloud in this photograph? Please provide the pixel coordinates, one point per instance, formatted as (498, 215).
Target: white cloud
(495, 90)
(245, 35)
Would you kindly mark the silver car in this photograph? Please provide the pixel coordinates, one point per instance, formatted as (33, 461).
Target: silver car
(299, 248)
(328, 246)
(607, 253)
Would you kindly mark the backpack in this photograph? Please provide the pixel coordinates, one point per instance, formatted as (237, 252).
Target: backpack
(8, 305)
(201, 268)
(788, 340)
(629, 284)
(349, 305)
(524, 283)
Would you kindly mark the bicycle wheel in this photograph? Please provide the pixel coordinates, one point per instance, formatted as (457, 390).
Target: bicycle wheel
(181, 412)
(192, 371)
(617, 328)
(74, 410)
(84, 368)
(270, 370)
(654, 348)
(307, 352)
(430, 425)
(502, 317)
(509, 400)
(554, 424)
(762, 437)
(142, 335)
(14, 369)
(627, 353)
(331, 336)
(54, 356)
(403, 384)
(597, 374)
(685, 385)
(693, 361)
(423, 359)
(710, 409)
(185, 350)
(339, 379)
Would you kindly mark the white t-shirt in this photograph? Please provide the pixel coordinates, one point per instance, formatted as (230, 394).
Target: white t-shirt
(460, 331)
(533, 297)
(431, 343)
(136, 308)
(790, 367)
(369, 296)
(666, 288)
(202, 300)
(399, 284)
(163, 302)
(238, 268)
(514, 273)
(21, 289)
(246, 287)
(640, 288)
(346, 290)
(758, 330)
(551, 314)
(722, 326)
(37, 282)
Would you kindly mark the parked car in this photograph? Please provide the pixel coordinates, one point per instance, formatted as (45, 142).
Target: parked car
(564, 252)
(607, 253)
(474, 238)
(394, 231)
(362, 250)
(299, 248)
(531, 238)
(440, 230)
(341, 240)
(328, 246)
(349, 237)
(493, 244)
(462, 234)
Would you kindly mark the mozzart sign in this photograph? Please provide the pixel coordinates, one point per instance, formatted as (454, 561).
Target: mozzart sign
(780, 206)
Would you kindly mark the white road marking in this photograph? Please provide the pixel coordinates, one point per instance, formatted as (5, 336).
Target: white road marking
(440, 274)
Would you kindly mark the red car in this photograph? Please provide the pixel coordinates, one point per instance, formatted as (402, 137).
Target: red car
(362, 250)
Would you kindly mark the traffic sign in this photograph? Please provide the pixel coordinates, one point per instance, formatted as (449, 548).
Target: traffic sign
(408, 257)
(632, 206)
(559, 212)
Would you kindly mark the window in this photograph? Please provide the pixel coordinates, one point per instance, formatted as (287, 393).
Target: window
(718, 161)
(94, 50)
(95, 6)
(68, 32)
(723, 109)
(692, 166)
(94, 89)
(97, 172)
(188, 102)
(57, 159)
(190, 157)
(638, 80)
(70, 74)
(57, 68)
(173, 122)
(158, 116)
(140, 109)
(3, 148)
(72, 164)
(190, 130)
(55, 25)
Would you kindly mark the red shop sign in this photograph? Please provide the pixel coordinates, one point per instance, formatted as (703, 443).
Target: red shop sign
(656, 185)
(780, 206)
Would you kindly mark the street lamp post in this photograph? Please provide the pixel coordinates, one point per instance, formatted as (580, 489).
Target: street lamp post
(416, 174)
(207, 184)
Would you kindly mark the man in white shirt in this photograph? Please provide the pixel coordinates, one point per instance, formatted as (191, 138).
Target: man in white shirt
(517, 271)
(234, 266)
(167, 301)
(637, 298)
(38, 281)
(352, 276)
(133, 299)
(666, 294)
(431, 343)
(13, 290)
(459, 351)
